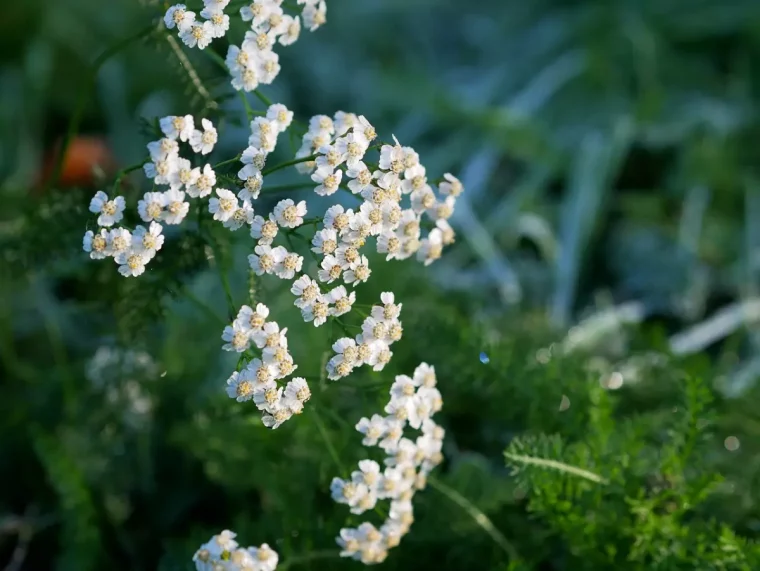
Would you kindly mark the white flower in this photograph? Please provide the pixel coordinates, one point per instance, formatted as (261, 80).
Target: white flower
(252, 320)
(392, 158)
(267, 396)
(261, 372)
(288, 265)
(347, 256)
(363, 127)
(203, 141)
(297, 389)
(266, 558)
(253, 156)
(347, 492)
(415, 179)
(111, 211)
(352, 147)
(325, 241)
(242, 215)
(263, 134)
(358, 273)
(204, 184)
(328, 181)
(321, 123)
(183, 174)
(197, 35)
(219, 22)
(292, 29)
(215, 5)
(307, 291)
(422, 199)
(317, 311)
(288, 214)
(424, 376)
(342, 300)
(214, 548)
(120, 240)
(264, 230)
(277, 417)
(161, 170)
(237, 337)
(403, 454)
(240, 386)
(331, 269)
(151, 206)
(97, 245)
(431, 247)
(389, 311)
(176, 207)
(253, 182)
(451, 186)
(447, 232)
(271, 336)
(178, 16)
(131, 262)
(373, 429)
(314, 15)
(265, 260)
(389, 243)
(257, 12)
(344, 122)
(393, 483)
(338, 218)
(280, 116)
(394, 431)
(163, 149)
(175, 127)
(148, 241)
(223, 207)
(361, 175)
(268, 67)
(442, 209)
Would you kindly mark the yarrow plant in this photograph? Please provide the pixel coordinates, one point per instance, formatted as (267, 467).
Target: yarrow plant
(254, 62)
(391, 206)
(414, 400)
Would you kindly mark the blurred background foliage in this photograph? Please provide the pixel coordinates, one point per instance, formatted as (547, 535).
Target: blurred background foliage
(600, 306)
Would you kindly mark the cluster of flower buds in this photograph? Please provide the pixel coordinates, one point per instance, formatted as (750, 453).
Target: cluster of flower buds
(414, 400)
(222, 553)
(254, 62)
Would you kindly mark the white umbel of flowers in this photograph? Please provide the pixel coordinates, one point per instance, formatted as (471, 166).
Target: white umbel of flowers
(413, 402)
(254, 62)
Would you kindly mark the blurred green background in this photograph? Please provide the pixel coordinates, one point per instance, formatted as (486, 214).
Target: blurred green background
(610, 230)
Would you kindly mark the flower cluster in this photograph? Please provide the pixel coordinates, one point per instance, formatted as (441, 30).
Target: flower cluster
(257, 381)
(133, 249)
(407, 463)
(339, 147)
(255, 61)
(222, 553)
(371, 347)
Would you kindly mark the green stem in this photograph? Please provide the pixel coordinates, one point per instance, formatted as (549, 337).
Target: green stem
(480, 518)
(287, 187)
(328, 443)
(200, 304)
(76, 118)
(248, 109)
(123, 172)
(263, 98)
(236, 158)
(287, 164)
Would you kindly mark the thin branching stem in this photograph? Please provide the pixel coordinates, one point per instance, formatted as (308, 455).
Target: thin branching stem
(480, 518)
